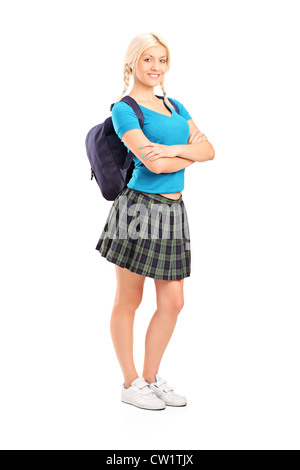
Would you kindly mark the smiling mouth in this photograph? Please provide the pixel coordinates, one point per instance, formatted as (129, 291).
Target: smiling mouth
(154, 75)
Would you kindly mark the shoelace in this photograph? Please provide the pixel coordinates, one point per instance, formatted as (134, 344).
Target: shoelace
(162, 384)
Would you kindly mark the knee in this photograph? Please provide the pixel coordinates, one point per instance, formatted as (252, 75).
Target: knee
(135, 301)
(129, 303)
(172, 307)
(178, 306)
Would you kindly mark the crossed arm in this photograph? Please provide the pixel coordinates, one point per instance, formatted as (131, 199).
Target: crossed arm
(172, 164)
(198, 149)
(187, 155)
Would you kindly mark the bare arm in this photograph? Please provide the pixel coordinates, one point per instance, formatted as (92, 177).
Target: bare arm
(134, 141)
(133, 138)
(200, 152)
(172, 164)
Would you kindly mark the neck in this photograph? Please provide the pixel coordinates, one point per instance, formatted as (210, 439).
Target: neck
(142, 92)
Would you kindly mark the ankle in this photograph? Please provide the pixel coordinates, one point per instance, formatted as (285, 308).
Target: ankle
(150, 378)
(129, 380)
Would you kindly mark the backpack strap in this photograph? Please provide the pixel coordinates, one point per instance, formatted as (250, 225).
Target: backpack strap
(175, 105)
(133, 104)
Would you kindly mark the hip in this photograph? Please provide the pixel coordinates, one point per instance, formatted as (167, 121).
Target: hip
(172, 195)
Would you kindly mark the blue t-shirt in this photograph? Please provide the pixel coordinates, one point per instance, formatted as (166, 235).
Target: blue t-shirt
(158, 128)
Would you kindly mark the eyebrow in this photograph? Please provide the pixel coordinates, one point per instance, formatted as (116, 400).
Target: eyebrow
(152, 55)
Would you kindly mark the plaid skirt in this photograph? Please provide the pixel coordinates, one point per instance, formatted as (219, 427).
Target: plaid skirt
(148, 234)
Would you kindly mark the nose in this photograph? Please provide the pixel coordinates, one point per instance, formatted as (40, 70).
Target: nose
(155, 67)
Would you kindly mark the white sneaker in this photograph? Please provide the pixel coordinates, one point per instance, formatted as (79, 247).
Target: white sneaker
(165, 393)
(139, 394)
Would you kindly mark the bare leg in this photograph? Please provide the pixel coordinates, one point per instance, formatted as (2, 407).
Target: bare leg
(170, 302)
(128, 297)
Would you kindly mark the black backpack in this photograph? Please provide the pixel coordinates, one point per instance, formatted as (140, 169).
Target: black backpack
(111, 163)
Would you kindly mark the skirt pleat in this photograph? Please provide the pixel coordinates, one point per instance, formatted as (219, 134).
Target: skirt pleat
(148, 234)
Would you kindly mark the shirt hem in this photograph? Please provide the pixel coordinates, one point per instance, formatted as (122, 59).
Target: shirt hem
(145, 190)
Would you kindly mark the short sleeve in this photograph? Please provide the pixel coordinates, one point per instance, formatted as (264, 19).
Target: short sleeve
(182, 111)
(123, 118)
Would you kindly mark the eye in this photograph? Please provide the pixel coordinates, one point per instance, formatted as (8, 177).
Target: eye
(148, 58)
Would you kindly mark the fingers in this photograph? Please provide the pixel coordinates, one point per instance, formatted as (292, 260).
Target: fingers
(155, 157)
(194, 136)
(147, 145)
(149, 152)
(198, 136)
(197, 133)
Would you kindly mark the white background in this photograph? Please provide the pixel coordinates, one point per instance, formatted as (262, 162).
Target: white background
(235, 350)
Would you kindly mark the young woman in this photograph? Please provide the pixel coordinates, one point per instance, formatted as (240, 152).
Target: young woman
(167, 144)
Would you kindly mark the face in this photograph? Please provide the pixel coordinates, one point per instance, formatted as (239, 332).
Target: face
(153, 61)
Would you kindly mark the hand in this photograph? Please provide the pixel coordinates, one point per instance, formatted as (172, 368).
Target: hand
(196, 137)
(155, 151)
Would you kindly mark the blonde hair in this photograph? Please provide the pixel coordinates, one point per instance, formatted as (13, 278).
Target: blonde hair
(136, 47)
